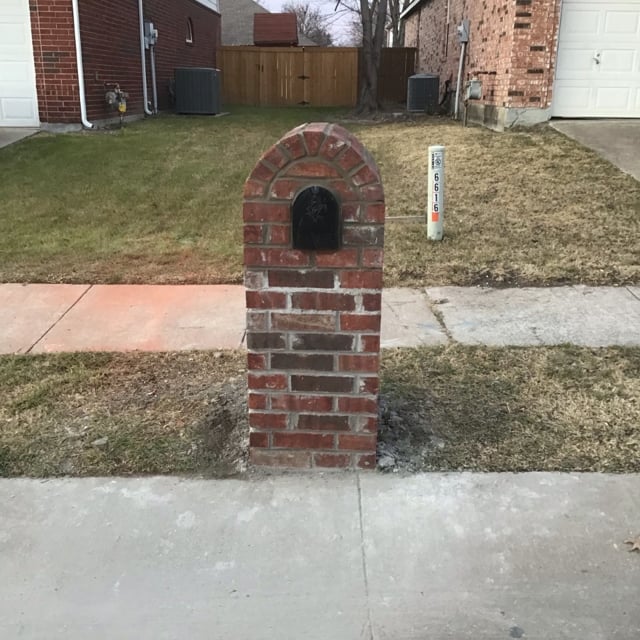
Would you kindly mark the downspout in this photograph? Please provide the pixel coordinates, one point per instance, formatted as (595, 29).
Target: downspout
(143, 58)
(152, 52)
(456, 107)
(81, 90)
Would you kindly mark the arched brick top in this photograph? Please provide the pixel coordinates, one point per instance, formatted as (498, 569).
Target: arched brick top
(313, 317)
(325, 152)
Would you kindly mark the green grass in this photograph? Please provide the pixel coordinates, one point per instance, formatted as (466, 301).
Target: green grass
(446, 409)
(160, 201)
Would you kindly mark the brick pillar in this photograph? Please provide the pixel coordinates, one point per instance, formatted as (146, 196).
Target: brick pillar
(313, 317)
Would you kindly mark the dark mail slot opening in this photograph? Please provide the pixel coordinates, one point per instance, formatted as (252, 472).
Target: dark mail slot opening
(315, 220)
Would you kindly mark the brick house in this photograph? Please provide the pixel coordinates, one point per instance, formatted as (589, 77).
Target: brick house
(535, 59)
(40, 61)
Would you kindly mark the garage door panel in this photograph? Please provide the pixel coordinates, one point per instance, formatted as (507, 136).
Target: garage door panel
(581, 23)
(612, 98)
(621, 22)
(20, 110)
(617, 61)
(597, 70)
(13, 8)
(12, 34)
(18, 97)
(575, 98)
(579, 63)
(12, 74)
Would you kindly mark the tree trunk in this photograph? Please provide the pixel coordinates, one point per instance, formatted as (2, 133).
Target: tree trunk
(373, 33)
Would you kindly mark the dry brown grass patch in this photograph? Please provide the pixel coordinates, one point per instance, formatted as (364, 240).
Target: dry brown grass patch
(474, 408)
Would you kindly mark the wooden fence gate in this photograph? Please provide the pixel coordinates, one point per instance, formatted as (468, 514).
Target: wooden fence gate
(274, 76)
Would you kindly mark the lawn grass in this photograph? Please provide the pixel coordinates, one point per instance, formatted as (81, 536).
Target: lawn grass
(160, 202)
(446, 409)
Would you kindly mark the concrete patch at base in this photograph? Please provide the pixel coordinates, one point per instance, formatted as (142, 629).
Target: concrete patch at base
(580, 315)
(27, 311)
(407, 320)
(151, 318)
(485, 555)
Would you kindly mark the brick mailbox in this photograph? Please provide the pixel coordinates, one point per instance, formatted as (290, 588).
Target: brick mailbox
(314, 234)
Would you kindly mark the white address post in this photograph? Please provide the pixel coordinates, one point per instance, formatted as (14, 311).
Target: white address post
(435, 210)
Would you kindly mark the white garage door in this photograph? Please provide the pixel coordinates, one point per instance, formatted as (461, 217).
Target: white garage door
(598, 69)
(18, 98)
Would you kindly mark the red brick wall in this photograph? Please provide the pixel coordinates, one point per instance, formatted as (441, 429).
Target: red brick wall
(55, 60)
(313, 317)
(111, 52)
(511, 46)
(535, 41)
(170, 18)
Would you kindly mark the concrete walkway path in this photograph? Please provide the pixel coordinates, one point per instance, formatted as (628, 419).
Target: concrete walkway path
(340, 557)
(39, 318)
(618, 141)
(9, 135)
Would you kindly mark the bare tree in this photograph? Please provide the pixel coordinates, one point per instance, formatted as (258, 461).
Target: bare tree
(373, 16)
(394, 24)
(396, 7)
(311, 22)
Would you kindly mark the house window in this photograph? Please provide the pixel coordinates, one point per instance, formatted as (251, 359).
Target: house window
(189, 38)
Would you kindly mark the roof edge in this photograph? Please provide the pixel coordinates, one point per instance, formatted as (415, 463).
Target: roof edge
(410, 9)
(214, 5)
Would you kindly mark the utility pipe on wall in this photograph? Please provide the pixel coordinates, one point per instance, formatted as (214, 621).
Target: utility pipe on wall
(143, 58)
(459, 82)
(80, 65)
(152, 50)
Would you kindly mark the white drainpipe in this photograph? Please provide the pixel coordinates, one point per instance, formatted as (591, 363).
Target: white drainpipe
(83, 100)
(463, 53)
(143, 57)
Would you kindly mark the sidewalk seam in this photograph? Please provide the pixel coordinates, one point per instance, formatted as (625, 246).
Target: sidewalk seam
(55, 324)
(439, 316)
(364, 559)
(633, 294)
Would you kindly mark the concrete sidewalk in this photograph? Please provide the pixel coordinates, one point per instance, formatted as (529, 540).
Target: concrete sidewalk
(617, 141)
(340, 557)
(41, 318)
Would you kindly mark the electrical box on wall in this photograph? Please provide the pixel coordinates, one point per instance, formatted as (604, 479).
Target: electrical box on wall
(150, 35)
(463, 31)
(473, 89)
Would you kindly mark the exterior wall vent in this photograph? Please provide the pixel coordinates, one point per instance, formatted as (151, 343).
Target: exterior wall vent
(423, 93)
(198, 90)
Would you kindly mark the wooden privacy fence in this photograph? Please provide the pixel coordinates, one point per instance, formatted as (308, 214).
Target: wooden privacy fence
(396, 66)
(274, 76)
(317, 76)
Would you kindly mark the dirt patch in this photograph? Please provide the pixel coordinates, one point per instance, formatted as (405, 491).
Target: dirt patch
(443, 409)
(121, 414)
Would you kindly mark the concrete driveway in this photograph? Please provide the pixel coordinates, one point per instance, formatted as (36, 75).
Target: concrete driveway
(616, 140)
(9, 135)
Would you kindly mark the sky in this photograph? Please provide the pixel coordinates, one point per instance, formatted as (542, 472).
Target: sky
(338, 28)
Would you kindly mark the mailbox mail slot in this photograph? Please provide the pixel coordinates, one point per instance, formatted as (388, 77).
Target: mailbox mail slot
(315, 220)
